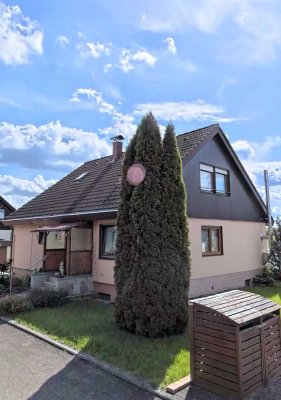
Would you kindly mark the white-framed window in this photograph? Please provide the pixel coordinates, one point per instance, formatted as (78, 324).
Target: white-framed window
(107, 241)
(211, 240)
(214, 180)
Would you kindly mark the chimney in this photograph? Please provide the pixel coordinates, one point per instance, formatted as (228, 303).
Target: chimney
(117, 142)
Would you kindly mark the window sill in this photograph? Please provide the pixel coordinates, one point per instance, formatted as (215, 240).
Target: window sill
(107, 258)
(215, 193)
(211, 254)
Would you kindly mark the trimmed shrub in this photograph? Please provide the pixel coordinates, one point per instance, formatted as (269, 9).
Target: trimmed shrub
(15, 304)
(47, 298)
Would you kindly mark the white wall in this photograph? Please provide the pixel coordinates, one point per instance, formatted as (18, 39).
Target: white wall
(26, 250)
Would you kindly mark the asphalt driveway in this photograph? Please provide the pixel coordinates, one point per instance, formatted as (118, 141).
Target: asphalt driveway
(32, 369)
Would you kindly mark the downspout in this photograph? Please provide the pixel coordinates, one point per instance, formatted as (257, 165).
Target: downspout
(31, 250)
(12, 261)
(268, 208)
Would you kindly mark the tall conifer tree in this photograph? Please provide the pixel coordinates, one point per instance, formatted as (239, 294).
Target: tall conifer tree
(175, 233)
(152, 258)
(123, 258)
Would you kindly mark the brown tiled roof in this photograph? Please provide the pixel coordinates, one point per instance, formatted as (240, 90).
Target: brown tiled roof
(99, 189)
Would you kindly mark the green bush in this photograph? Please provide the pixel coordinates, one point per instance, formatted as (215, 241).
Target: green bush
(14, 304)
(23, 282)
(47, 298)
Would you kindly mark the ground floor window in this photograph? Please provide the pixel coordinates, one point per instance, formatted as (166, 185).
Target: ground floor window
(211, 240)
(107, 241)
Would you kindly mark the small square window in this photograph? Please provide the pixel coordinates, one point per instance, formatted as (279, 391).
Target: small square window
(211, 240)
(107, 241)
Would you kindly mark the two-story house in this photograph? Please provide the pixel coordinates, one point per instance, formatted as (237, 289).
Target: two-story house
(73, 222)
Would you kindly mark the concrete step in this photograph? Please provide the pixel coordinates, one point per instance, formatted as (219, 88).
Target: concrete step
(49, 285)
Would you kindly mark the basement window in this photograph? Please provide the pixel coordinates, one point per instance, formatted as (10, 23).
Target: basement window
(211, 240)
(107, 241)
(104, 296)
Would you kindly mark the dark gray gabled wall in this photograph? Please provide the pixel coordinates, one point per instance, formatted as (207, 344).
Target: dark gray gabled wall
(7, 211)
(241, 205)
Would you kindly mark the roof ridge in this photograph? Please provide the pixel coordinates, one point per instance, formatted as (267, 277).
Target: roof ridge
(96, 159)
(199, 129)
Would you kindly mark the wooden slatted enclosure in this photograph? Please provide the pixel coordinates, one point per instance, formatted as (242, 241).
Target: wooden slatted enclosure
(235, 342)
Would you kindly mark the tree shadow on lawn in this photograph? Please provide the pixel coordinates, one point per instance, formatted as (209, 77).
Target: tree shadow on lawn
(89, 326)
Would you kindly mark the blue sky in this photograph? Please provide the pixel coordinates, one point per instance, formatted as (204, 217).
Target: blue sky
(73, 74)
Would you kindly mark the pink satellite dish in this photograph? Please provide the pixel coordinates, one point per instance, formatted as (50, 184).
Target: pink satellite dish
(135, 174)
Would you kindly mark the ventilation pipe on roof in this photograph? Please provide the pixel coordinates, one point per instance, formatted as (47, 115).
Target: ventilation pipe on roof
(117, 144)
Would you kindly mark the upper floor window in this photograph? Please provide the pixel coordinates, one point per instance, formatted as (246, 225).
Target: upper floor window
(213, 179)
(107, 241)
(2, 213)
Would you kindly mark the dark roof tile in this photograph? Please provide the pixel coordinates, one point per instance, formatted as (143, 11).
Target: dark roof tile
(99, 189)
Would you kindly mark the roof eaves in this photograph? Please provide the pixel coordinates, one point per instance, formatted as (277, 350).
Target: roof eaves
(242, 169)
(76, 214)
(8, 205)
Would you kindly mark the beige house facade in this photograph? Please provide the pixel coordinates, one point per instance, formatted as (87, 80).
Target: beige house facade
(73, 223)
(235, 268)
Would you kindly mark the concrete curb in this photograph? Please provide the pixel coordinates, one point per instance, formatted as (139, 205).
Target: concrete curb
(141, 384)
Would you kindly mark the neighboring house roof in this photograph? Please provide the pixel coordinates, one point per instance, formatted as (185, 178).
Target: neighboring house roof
(8, 209)
(4, 202)
(94, 187)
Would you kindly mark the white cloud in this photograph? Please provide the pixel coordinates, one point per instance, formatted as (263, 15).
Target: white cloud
(122, 124)
(80, 94)
(49, 146)
(127, 59)
(186, 111)
(20, 37)
(19, 191)
(243, 146)
(97, 49)
(255, 31)
(62, 40)
(257, 151)
(171, 45)
(107, 67)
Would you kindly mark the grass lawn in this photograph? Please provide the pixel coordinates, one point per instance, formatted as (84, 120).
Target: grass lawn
(271, 293)
(89, 326)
